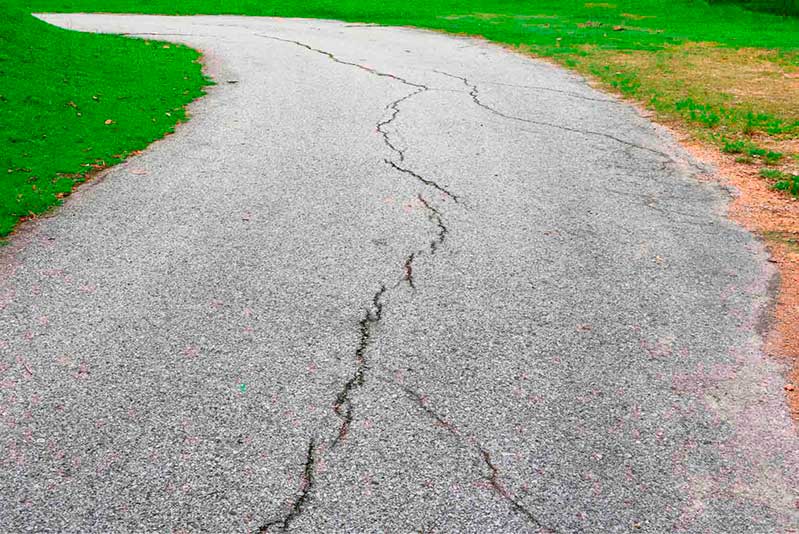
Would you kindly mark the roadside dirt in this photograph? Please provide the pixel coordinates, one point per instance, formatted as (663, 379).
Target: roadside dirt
(775, 217)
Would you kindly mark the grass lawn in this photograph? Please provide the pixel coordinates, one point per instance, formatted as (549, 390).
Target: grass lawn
(730, 75)
(71, 103)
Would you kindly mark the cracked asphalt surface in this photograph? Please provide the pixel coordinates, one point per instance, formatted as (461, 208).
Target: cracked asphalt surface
(388, 280)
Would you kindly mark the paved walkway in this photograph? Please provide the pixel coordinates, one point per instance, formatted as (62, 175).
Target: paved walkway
(389, 280)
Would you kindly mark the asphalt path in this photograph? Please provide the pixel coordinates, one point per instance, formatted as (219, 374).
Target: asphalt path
(388, 280)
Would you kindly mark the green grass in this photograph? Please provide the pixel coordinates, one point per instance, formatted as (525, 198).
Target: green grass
(686, 59)
(782, 181)
(750, 151)
(780, 7)
(71, 103)
(550, 26)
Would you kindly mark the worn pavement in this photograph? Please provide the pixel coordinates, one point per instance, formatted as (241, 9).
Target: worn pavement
(388, 280)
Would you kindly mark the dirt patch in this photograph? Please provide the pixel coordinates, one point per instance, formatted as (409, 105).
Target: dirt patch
(775, 217)
(750, 78)
(633, 16)
(604, 5)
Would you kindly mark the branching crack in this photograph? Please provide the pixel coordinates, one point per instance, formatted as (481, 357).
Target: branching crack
(424, 180)
(475, 94)
(382, 129)
(372, 315)
(484, 456)
(436, 218)
(394, 107)
(306, 485)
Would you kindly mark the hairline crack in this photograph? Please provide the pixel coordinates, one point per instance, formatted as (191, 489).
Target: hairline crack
(493, 476)
(474, 93)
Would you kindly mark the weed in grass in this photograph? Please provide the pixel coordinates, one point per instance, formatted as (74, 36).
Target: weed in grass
(772, 158)
(697, 112)
(782, 181)
(733, 146)
(771, 174)
(789, 184)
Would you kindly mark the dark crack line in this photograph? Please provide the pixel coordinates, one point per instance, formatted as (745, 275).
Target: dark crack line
(433, 245)
(475, 94)
(394, 107)
(333, 57)
(496, 484)
(493, 476)
(306, 485)
(343, 404)
(381, 126)
(436, 218)
(424, 180)
(408, 274)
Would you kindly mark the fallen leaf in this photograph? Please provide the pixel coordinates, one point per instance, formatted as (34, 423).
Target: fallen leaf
(140, 172)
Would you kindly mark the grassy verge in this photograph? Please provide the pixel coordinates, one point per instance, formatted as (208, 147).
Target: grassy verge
(71, 103)
(727, 74)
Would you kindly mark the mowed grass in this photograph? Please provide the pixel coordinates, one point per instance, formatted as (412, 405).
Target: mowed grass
(71, 103)
(730, 75)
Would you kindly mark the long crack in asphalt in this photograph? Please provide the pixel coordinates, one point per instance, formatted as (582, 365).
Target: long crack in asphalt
(373, 314)
(474, 93)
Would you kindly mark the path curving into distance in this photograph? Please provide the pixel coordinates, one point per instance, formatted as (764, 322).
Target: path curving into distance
(389, 280)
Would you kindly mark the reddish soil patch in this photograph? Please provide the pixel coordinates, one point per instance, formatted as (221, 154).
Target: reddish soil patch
(774, 216)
